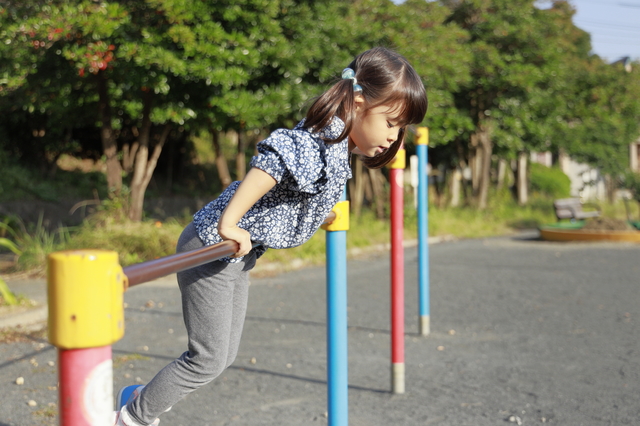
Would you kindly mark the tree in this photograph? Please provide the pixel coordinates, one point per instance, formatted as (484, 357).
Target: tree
(137, 54)
(517, 53)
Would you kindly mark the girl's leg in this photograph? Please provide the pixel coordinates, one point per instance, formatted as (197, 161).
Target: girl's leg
(214, 301)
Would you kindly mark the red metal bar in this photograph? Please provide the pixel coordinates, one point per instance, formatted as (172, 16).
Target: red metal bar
(397, 267)
(153, 269)
(86, 386)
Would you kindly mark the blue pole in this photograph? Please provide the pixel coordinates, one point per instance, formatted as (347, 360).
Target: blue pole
(422, 145)
(337, 361)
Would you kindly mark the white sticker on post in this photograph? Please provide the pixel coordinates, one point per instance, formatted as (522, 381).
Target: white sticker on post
(97, 395)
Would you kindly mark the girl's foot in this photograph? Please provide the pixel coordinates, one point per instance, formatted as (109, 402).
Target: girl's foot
(126, 395)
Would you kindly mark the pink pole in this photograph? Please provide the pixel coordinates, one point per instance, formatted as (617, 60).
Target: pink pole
(397, 281)
(86, 387)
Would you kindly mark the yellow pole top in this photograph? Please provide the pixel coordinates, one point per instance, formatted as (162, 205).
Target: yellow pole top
(341, 222)
(423, 136)
(85, 292)
(400, 161)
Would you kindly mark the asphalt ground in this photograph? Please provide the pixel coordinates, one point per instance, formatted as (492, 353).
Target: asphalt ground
(522, 332)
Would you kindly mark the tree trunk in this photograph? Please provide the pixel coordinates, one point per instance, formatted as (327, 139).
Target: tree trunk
(357, 194)
(486, 149)
(456, 176)
(145, 165)
(221, 162)
(474, 160)
(171, 148)
(107, 136)
(129, 152)
(610, 188)
(502, 172)
(241, 160)
(378, 193)
(521, 180)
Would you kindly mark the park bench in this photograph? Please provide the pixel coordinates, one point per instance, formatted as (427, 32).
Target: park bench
(571, 208)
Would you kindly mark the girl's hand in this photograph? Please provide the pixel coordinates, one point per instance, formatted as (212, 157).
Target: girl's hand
(239, 235)
(255, 184)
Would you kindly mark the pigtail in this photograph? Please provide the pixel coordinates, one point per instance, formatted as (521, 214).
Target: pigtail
(338, 101)
(385, 77)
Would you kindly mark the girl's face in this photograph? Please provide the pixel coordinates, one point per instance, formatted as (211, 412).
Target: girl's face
(374, 129)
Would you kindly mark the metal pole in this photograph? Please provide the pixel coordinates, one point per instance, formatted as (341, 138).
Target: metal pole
(157, 268)
(86, 315)
(397, 273)
(337, 358)
(422, 143)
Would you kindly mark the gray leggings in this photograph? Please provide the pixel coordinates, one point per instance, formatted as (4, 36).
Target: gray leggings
(214, 303)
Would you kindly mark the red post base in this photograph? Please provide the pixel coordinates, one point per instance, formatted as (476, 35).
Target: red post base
(86, 387)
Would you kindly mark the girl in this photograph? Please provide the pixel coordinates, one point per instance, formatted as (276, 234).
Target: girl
(295, 180)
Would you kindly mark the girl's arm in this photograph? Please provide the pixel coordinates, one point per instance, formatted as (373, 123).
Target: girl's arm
(255, 184)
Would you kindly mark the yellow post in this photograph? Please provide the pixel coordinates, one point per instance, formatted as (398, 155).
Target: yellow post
(85, 291)
(423, 136)
(400, 160)
(86, 315)
(341, 222)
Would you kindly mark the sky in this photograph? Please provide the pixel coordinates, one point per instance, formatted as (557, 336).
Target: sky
(614, 26)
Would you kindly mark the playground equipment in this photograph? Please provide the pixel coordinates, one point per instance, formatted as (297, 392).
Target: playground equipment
(337, 341)
(86, 313)
(396, 179)
(422, 145)
(572, 231)
(396, 182)
(86, 316)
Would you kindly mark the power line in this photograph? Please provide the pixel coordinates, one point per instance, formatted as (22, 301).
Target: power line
(604, 32)
(610, 25)
(630, 5)
(612, 41)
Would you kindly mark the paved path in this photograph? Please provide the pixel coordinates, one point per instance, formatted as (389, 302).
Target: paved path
(523, 331)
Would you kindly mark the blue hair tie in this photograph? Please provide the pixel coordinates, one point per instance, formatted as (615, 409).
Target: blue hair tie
(349, 74)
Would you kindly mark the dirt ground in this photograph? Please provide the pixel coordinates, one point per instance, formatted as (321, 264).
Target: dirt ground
(523, 332)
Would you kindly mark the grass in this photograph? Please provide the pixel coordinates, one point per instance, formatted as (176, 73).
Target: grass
(147, 240)
(134, 241)
(503, 216)
(18, 301)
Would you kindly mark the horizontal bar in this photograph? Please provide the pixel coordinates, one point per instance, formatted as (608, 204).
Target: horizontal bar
(153, 269)
(157, 268)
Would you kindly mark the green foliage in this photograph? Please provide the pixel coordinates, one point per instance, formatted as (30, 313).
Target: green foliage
(631, 181)
(18, 182)
(549, 181)
(522, 75)
(31, 246)
(7, 295)
(133, 241)
(603, 117)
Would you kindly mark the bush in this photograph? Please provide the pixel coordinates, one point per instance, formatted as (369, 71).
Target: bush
(631, 181)
(549, 181)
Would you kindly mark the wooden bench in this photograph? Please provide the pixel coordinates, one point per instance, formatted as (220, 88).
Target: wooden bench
(571, 208)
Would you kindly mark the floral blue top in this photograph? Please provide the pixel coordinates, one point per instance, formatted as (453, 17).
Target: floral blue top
(310, 176)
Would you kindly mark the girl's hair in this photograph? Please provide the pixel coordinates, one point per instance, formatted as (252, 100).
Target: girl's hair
(386, 78)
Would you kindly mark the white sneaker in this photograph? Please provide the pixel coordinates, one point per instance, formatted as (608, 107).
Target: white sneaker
(126, 395)
(122, 418)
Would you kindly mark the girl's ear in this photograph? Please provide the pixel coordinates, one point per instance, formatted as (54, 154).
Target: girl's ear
(359, 102)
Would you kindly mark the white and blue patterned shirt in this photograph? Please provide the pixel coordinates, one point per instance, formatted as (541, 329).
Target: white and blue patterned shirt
(310, 176)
